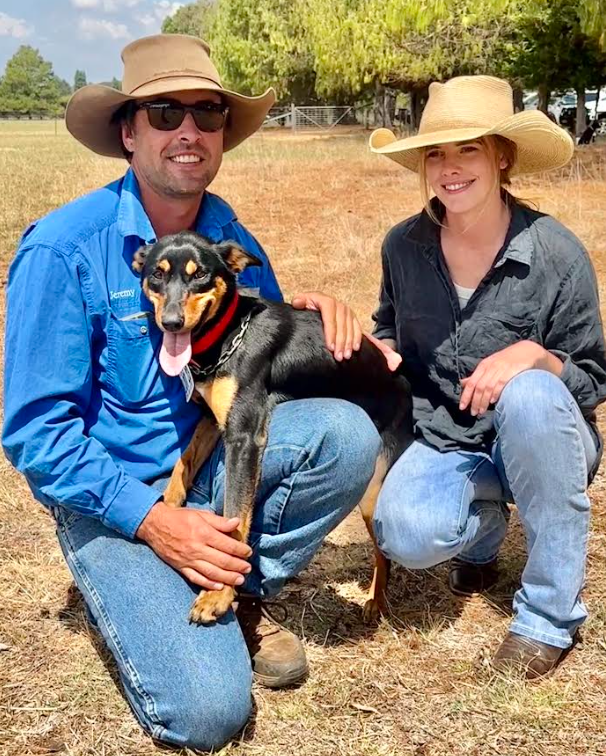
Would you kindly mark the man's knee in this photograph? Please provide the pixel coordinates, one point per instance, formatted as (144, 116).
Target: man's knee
(343, 441)
(205, 720)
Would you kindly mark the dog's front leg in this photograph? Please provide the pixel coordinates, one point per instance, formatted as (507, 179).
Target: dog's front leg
(199, 449)
(245, 440)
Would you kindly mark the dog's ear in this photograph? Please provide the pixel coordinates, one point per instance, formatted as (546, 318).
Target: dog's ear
(236, 257)
(139, 258)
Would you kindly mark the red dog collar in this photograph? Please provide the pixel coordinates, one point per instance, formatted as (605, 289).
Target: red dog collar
(211, 337)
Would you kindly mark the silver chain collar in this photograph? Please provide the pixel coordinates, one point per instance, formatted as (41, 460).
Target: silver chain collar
(198, 372)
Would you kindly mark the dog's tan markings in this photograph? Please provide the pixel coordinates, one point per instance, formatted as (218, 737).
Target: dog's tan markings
(191, 268)
(158, 301)
(206, 303)
(236, 259)
(219, 394)
(375, 603)
(201, 445)
(210, 605)
(164, 265)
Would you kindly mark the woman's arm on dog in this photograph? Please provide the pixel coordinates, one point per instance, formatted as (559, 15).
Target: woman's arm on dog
(197, 544)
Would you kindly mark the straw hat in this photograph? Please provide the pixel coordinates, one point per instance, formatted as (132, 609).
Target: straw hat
(158, 65)
(469, 107)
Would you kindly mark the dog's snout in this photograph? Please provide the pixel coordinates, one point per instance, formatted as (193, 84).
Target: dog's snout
(172, 321)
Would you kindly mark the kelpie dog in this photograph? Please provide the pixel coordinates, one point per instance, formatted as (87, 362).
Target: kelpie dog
(246, 355)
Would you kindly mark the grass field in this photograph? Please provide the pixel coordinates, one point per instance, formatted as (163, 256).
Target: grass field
(417, 685)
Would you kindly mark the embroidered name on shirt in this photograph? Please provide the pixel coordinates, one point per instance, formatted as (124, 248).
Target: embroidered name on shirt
(122, 294)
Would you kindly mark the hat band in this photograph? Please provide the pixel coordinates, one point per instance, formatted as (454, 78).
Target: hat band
(172, 76)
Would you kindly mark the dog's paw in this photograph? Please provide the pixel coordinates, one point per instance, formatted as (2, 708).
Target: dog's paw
(373, 609)
(211, 605)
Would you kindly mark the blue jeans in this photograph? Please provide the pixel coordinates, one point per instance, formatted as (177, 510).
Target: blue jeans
(434, 506)
(191, 685)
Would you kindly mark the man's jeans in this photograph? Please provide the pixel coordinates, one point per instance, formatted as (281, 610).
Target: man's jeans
(434, 506)
(191, 685)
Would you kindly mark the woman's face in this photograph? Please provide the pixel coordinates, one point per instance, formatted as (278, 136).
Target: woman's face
(462, 175)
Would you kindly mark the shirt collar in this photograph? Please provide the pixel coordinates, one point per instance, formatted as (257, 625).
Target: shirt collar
(518, 244)
(213, 215)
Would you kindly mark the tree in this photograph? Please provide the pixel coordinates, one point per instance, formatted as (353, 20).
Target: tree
(194, 19)
(256, 45)
(29, 86)
(553, 52)
(79, 80)
(362, 45)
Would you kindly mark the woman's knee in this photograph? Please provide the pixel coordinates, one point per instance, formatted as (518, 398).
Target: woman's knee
(416, 539)
(529, 398)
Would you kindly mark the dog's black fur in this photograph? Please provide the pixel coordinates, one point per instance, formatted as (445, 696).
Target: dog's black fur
(282, 356)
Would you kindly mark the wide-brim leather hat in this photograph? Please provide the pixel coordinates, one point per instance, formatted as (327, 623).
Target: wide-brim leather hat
(469, 107)
(160, 65)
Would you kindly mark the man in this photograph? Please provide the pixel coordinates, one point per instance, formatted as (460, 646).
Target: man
(96, 427)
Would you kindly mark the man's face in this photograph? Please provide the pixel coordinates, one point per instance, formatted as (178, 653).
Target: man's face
(179, 163)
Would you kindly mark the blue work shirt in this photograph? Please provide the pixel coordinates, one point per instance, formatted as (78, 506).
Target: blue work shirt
(89, 415)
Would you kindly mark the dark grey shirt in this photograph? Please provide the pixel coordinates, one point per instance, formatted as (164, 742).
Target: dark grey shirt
(541, 287)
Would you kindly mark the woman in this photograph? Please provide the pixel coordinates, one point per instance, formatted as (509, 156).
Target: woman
(494, 309)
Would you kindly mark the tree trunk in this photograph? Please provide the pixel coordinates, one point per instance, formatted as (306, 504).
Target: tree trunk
(544, 95)
(387, 101)
(418, 98)
(581, 119)
(518, 99)
(378, 104)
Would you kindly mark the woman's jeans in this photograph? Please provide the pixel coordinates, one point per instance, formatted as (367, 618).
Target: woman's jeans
(190, 685)
(434, 506)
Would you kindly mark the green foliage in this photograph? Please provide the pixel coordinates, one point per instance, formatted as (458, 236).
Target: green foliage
(79, 80)
(256, 45)
(194, 19)
(29, 86)
(593, 20)
(552, 50)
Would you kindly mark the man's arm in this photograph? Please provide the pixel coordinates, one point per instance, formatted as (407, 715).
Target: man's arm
(47, 387)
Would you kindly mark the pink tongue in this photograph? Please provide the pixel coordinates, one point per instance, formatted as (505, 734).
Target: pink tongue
(175, 352)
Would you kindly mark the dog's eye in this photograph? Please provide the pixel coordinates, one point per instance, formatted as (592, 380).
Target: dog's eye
(201, 273)
(158, 274)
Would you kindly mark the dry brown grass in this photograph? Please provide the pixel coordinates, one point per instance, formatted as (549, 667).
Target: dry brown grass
(417, 685)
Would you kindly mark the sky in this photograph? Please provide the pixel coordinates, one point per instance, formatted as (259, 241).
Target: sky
(79, 34)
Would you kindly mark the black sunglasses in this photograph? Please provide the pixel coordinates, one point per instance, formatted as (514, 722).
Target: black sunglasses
(168, 115)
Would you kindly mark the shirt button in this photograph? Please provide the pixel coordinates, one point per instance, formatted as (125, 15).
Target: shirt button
(144, 330)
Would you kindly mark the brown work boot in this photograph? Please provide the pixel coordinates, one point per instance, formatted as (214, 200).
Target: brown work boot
(277, 655)
(467, 579)
(530, 657)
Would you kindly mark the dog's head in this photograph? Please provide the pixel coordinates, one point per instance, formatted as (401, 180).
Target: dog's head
(188, 280)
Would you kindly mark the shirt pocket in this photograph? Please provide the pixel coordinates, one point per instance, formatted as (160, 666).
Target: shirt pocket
(133, 369)
(495, 331)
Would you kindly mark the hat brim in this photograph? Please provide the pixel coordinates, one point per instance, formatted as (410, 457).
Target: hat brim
(541, 145)
(89, 112)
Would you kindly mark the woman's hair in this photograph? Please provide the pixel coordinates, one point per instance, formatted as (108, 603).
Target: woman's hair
(497, 147)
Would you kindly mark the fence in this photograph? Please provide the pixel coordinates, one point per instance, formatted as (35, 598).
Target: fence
(323, 117)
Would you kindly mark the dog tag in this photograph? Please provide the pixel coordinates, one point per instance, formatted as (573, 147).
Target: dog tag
(187, 381)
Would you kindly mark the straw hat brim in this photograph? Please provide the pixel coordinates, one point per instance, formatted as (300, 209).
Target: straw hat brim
(541, 145)
(89, 112)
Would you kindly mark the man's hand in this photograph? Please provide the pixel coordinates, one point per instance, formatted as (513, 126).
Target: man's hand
(342, 330)
(197, 544)
(484, 386)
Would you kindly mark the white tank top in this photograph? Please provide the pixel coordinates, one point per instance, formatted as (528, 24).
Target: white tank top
(464, 295)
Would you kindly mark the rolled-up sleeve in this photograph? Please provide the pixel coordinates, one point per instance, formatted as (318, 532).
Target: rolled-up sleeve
(47, 388)
(576, 336)
(385, 314)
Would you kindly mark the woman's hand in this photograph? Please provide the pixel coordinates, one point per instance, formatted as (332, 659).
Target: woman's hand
(484, 386)
(342, 329)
